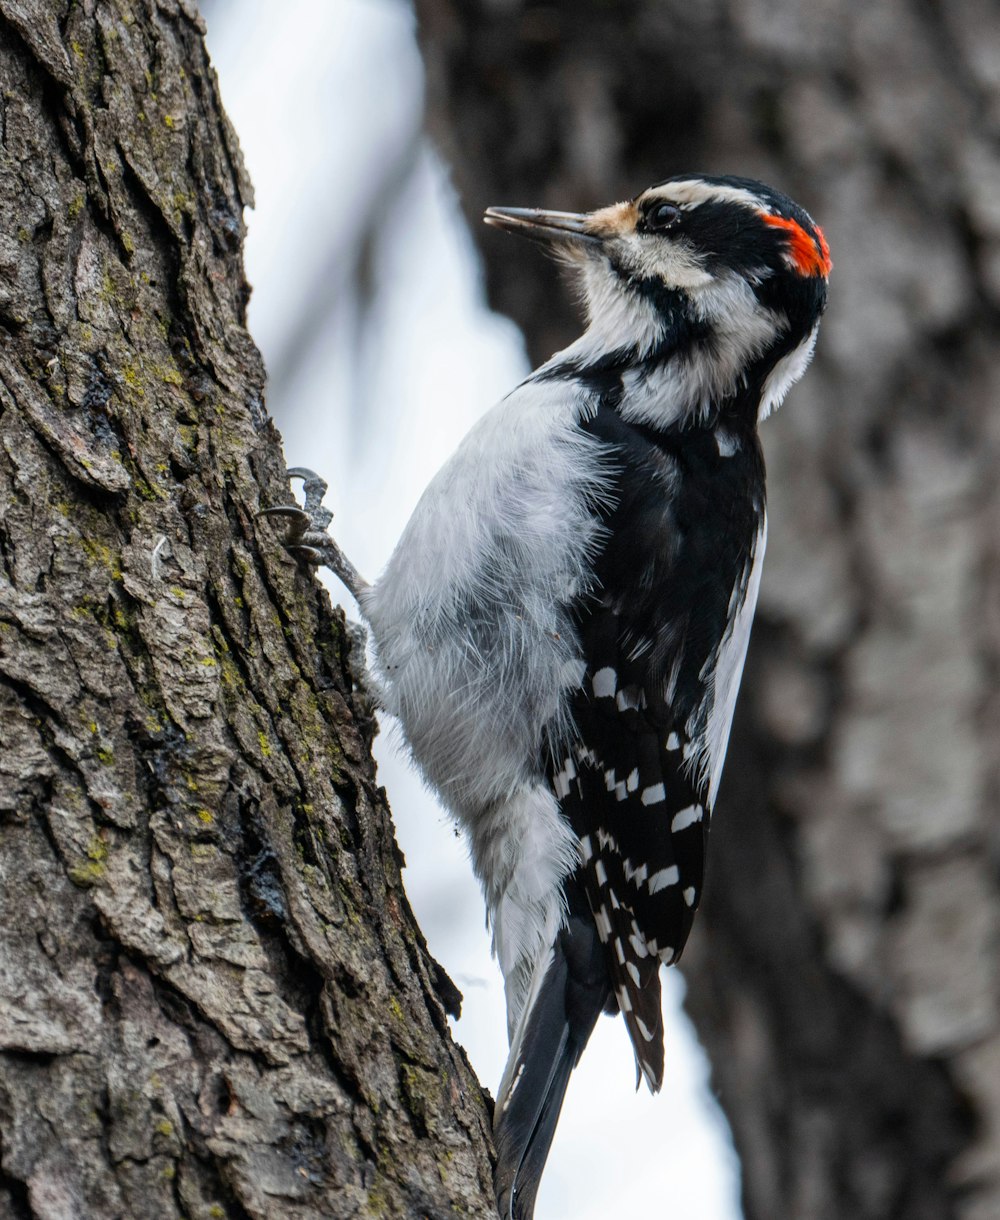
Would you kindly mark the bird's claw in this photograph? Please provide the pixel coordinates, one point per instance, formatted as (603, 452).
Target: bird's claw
(285, 510)
(305, 533)
(308, 554)
(314, 489)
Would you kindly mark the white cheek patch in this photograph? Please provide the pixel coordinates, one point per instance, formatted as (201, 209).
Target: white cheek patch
(673, 262)
(742, 325)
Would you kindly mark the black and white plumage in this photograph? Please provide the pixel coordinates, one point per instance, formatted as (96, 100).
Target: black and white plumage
(562, 628)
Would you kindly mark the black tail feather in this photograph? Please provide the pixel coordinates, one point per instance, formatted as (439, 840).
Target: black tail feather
(575, 989)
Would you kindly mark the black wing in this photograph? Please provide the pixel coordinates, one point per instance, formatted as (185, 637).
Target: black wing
(634, 783)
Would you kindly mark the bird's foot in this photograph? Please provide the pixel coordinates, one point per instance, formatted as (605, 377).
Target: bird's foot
(307, 540)
(306, 534)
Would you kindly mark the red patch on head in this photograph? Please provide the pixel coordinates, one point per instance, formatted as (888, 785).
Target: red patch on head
(811, 255)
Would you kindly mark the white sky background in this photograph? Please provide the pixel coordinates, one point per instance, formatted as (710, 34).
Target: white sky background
(325, 96)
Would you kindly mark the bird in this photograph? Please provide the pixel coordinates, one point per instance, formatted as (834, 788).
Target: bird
(562, 628)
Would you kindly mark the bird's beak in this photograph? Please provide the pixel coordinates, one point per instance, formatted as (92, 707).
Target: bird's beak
(550, 228)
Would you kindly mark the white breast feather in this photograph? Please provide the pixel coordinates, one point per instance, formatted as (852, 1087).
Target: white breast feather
(474, 646)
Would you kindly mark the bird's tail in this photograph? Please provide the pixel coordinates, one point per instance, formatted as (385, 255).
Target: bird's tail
(571, 989)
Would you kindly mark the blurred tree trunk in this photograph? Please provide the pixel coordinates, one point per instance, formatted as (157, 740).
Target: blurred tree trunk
(844, 971)
(213, 997)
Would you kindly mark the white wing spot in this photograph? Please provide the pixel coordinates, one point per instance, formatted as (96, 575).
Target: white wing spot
(673, 742)
(621, 792)
(653, 795)
(561, 781)
(690, 894)
(601, 873)
(623, 1000)
(664, 878)
(686, 817)
(619, 950)
(646, 1032)
(609, 779)
(586, 849)
(603, 924)
(633, 970)
(636, 875)
(631, 699)
(633, 780)
(605, 683)
(638, 945)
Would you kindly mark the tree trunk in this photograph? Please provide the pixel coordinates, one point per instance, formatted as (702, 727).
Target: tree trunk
(844, 970)
(214, 1000)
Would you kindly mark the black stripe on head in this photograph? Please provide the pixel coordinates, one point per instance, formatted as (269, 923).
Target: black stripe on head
(729, 237)
(729, 230)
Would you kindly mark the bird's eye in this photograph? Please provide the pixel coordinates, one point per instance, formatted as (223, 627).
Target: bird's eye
(662, 217)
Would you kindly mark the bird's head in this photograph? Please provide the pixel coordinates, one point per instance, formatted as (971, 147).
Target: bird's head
(723, 272)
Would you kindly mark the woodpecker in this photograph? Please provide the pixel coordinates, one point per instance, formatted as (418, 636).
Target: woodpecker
(562, 628)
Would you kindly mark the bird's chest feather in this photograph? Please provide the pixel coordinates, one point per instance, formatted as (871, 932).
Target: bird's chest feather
(472, 619)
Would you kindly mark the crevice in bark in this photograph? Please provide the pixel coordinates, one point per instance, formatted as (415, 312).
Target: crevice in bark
(14, 1194)
(167, 241)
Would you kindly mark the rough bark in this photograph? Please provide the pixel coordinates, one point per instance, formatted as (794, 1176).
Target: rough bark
(843, 973)
(214, 1000)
